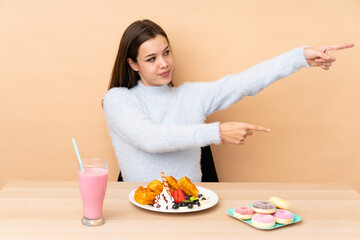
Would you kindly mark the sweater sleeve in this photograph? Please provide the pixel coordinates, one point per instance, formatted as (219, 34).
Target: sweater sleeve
(126, 118)
(232, 88)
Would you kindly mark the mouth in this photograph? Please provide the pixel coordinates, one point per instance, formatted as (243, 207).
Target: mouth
(165, 74)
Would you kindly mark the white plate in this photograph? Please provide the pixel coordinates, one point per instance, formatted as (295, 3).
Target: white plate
(212, 202)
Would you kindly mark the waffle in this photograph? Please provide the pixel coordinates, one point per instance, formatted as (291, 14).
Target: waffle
(155, 186)
(188, 187)
(147, 195)
(172, 183)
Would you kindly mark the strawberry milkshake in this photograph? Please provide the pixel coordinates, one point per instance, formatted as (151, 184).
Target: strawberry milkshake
(92, 185)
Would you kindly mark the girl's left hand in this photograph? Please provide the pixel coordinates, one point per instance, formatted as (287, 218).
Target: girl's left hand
(323, 56)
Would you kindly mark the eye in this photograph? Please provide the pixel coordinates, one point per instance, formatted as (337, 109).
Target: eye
(167, 52)
(151, 59)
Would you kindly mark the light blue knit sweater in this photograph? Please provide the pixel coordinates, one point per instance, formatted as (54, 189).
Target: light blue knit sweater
(161, 129)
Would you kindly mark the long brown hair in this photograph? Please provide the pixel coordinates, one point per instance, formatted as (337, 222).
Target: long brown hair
(136, 34)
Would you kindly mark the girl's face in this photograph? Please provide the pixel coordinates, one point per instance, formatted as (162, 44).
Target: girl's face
(155, 63)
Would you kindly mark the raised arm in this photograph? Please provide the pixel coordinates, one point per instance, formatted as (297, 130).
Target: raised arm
(233, 88)
(236, 132)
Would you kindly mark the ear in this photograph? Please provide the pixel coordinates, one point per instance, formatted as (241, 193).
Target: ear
(133, 64)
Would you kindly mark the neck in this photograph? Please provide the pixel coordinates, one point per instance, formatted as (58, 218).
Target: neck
(152, 90)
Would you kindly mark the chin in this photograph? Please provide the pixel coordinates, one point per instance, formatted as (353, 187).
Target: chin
(164, 81)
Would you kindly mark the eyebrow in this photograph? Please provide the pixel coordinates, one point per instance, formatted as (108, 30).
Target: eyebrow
(152, 54)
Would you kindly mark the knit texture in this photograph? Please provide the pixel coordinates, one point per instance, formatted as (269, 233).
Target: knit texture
(161, 129)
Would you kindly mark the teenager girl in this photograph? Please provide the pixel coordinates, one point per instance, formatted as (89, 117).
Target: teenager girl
(156, 127)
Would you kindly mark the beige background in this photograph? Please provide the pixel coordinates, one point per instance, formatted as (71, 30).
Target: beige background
(56, 58)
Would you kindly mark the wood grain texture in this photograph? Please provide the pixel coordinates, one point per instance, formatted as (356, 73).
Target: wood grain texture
(52, 210)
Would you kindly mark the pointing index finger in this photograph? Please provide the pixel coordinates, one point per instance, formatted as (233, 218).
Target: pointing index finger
(339, 47)
(258, 128)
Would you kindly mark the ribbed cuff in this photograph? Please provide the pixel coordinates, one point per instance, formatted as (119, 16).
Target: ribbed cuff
(306, 64)
(214, 133)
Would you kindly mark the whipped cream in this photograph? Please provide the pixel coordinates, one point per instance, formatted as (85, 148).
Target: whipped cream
(164, 201)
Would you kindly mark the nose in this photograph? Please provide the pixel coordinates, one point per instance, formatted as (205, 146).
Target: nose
(163, 63)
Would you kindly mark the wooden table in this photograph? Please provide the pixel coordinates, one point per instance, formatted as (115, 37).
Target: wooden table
(52, 210)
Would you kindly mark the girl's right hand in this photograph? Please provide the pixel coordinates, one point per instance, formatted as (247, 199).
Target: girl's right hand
(236, 132)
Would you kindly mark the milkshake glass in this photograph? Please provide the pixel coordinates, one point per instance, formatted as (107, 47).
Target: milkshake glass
(92, 185)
